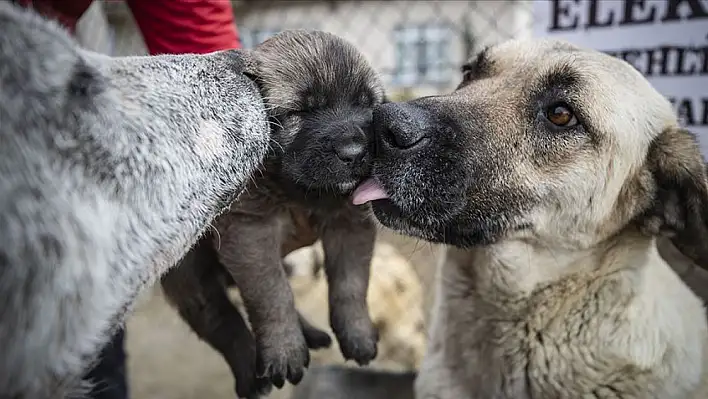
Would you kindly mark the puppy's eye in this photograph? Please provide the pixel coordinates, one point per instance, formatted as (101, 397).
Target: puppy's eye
(561, 115)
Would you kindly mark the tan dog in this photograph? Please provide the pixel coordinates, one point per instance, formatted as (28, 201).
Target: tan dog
(550, 171)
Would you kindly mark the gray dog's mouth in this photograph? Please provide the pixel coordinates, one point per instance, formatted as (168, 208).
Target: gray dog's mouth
(369, 190)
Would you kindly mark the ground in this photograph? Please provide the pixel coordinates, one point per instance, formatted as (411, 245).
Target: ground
(167, 361)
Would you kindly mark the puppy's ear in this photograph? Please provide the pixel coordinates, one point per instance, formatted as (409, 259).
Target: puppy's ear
(680, 203)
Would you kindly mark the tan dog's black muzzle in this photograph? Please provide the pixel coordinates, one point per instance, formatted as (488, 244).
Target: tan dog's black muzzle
(402, 127)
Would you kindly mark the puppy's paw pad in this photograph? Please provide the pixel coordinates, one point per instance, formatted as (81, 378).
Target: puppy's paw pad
(284, 359)
(359, 345)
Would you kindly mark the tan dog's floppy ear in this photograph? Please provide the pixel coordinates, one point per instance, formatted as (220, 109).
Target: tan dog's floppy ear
(680, 204)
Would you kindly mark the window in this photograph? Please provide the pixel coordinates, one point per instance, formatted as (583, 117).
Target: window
(250, 38)
(422, 54)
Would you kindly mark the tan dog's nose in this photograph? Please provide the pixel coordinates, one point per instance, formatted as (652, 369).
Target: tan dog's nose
(403, 126)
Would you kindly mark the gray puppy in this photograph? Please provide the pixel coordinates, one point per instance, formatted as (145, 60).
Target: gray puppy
(319, 92)
(111, 169)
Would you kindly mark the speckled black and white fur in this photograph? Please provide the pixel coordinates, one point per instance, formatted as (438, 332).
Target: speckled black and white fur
(111, 169)
(319, 91)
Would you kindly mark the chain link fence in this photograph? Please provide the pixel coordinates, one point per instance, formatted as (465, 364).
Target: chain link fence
(417, 46)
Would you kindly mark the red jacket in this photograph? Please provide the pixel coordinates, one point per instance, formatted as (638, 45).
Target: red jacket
(168, 26)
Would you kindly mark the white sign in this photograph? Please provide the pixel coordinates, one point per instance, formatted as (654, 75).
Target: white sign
(666, 40)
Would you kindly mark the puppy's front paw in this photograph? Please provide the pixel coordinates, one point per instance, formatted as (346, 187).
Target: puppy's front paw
(283, 356)
(357, 337)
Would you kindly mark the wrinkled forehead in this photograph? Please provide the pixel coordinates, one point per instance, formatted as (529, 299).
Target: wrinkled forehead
(542, 57)
(612, 95)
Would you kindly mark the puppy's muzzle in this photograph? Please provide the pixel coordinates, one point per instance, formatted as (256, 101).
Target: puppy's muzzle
(402, 127)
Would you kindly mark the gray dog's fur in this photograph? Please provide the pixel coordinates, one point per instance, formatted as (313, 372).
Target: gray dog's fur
(319, 92)
(551, 171)
(111, 169)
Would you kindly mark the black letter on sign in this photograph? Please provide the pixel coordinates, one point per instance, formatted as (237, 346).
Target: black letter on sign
(592, 16)
(559, 10)
(633, 7)
(685, 112)
(697, 10)
(658, 57)
(684, 67)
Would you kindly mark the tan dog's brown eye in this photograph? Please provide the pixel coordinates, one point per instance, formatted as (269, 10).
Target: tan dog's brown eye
(561, 115)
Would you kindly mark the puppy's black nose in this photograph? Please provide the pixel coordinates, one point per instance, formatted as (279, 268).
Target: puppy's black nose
(350, 152)
(351, 145)
(403, 125)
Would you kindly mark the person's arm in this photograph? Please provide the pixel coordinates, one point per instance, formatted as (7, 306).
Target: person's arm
(111, 169)
(183, 27)
(66, 12)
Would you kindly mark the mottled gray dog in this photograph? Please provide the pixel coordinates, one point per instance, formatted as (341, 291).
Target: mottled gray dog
(319, 92)
(111, 169)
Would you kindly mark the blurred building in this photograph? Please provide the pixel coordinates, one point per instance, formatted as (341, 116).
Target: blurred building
(417, 46)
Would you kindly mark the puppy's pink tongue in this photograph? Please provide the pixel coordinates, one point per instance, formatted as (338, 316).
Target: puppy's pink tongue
(369, 190)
